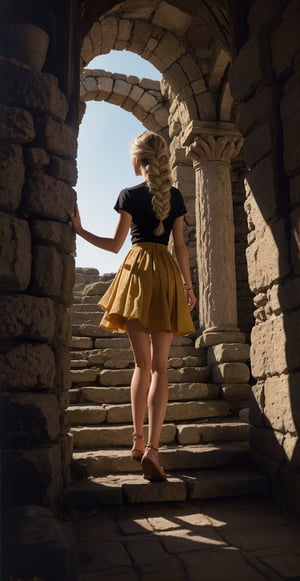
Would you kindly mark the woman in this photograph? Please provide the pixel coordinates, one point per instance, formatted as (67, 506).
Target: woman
(147, 298)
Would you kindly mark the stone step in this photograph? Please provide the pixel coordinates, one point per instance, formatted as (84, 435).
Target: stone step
(177, 392)
(88, 437)
(120, 413)
(173, 458)
(189, 355)
(189, 486)
(120, 377)
(86, 318)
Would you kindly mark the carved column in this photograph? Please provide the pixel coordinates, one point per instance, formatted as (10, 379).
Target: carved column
(212, 147)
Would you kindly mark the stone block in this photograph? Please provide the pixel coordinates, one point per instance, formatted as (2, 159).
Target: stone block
(231, 373)
(236, 391)
(261, 13)
(196, 409)
(39, 92)
(285, 41)
(207, 339)
(225, 352)
(36, 157)
(23, 316)
(52, 232)
(63, 324)
(290, 117)
(250, 68)
(15, 254)
(193, 391)
(41, 470)
(28, 419)
(11, 176)
(111, 377)
(68, 278)
(63, 360)
(96, 289)
(268, 256)
(84, 415)
(81, 343)
(271, 352)
(44, 196)
(266, 442)
(47, 270)
(295, 190)
(280, 404)
(63, 169)
(260, 142)
(83, 376)
(56, 137)
(264, 177)
(27, 366)
(16, 125)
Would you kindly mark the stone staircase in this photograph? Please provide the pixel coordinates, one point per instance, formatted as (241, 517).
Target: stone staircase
(203, 446)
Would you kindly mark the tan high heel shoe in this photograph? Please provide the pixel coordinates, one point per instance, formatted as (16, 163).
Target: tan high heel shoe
(150, 470)
(136, 453)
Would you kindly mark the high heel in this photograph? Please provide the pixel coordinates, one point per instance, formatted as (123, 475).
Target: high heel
(150, 470)
(136, 454)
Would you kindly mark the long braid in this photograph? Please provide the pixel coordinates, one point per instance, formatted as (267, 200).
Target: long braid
(151, 150)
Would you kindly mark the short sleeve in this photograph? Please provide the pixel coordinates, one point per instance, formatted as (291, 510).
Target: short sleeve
(124, 202)
(179, 205)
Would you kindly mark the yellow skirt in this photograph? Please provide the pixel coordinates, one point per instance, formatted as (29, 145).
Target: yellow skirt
(147, 287)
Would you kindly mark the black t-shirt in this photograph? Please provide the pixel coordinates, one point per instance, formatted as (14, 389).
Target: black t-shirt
(136, 200)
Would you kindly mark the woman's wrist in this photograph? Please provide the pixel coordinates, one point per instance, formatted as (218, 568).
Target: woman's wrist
(188, 288)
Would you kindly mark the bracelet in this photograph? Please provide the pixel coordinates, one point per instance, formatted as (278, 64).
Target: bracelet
(188, 289)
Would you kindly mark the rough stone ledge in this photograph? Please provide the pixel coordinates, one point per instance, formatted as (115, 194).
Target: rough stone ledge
(133, 489)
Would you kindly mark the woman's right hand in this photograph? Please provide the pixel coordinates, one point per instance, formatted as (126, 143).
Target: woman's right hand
(76, 220)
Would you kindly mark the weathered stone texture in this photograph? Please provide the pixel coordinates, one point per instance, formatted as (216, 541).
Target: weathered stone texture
(290, 115)
(15, 254)
(268, 255)
(225, 352)
(63, 169)
(231, 373)
(44, 196)
(23, 316)
(56, 137)
(250, 68)
(27, 417)
(264, 177)
(56, 233)
(36, 157)
(28, 366)
(11, 176)
(41, 469)
(278, 411)
(285, 41)
(20, 86)
(47, 271)
(271, 352)
(16, 125)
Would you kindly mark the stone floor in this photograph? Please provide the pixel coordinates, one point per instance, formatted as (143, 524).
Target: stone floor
(212, 540)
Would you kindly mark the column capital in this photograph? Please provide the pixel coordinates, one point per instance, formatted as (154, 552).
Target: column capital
(210, 141)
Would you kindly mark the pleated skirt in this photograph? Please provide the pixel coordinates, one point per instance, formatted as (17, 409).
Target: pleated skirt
(148, 288)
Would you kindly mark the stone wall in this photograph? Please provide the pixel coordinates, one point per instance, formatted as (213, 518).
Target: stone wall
(37, 172)
(265, 80)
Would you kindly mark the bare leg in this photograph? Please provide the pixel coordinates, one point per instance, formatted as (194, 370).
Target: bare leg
(158, 393)
(141, 346)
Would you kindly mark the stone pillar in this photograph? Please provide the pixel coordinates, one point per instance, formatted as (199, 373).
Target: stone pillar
(212, 146)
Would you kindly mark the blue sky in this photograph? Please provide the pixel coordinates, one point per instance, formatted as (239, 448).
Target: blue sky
(104, 167)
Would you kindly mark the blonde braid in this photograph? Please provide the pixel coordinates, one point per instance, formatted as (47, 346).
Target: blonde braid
(152, 152)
